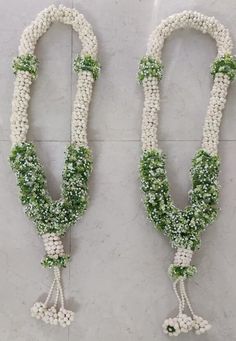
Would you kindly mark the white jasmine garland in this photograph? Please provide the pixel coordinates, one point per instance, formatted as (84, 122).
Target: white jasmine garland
(53, 218)
(183, 227)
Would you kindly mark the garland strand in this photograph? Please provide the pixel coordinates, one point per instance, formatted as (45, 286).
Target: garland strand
(53, 218)
(183, 227)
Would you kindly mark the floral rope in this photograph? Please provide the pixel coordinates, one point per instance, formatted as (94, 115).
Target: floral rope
(53, 218)
(183, 227)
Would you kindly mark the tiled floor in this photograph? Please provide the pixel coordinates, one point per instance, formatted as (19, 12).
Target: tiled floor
(117, 281)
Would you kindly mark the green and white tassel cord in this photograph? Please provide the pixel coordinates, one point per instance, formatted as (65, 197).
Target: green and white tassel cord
(53, 218)
(183, 227)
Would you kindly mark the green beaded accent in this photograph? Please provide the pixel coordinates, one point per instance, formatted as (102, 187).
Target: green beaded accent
(28, 63)
(48, 215)
(182, 227)
(226, 65)
(184, 272)
(61, 261)
(87, 63)
(150, 67)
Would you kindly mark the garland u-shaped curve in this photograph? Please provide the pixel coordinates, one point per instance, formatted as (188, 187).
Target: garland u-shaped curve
(217, 31)
(85, 62)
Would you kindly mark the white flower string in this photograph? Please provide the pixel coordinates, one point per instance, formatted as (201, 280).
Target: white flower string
(53, 218)
(183, 227)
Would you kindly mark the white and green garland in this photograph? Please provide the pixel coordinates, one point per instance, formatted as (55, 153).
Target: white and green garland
(53, 218)
(183, 227)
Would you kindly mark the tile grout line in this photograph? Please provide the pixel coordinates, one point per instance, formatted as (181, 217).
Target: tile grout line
(71, 108)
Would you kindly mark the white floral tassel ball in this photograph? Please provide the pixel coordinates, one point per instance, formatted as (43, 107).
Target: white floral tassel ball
(171, 326)
(179, 324)
(185, 323)
(51, 316)
(65, 317)
(200, 325)
(38, 310)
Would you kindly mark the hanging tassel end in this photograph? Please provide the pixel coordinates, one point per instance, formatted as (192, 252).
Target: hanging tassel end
(51, 315)
(182, 323)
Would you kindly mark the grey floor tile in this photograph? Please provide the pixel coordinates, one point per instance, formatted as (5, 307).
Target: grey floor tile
(117, 281)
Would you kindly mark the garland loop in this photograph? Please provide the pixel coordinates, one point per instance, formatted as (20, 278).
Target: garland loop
(53, 218)
(183, 227)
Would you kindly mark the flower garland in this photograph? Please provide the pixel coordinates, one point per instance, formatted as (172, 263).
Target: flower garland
(183, 227)
(53, 218)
